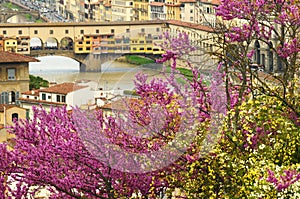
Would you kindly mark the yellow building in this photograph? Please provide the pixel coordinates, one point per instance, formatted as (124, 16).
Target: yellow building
(14, 76)
(172, 10)
(10, 44)
(140, 10)
(83, 44)
(8, 114)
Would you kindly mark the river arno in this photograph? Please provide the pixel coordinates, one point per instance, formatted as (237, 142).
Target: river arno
(114, 75)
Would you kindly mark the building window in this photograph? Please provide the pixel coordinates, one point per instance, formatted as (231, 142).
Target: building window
(88, 42)
(51, 32)
(97, 31)
(143, 30)
(4, 98)
(14, 117)
(49, 97)
(67, 31)
(13, 97)
(58, 98)
(81, 31)
(128, 30)
(43, 96)
(207, 10)
(20, 32)
(11, 74)
(191, 19)
(112, 31)
(142, 49)
(157, 29)
(36, 32)
(63, 98)
(80, 49)
(88, 48)
(4, 32)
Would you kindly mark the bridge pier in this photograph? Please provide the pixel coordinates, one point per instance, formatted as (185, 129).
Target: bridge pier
(82, 67)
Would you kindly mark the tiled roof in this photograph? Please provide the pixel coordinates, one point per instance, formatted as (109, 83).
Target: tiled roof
(32, 92)
(11, 57)
(214, 2)
(187, 1)
(63, 88)
(120, 105)
(190, 25)
(156, 4)
(34, 101)
(7, 106)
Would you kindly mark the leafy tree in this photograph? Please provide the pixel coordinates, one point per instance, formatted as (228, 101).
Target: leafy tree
(246, 27)
(216, 141)
(36, 82)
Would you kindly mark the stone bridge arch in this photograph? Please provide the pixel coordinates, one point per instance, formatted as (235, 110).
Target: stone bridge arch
(89, 62)
(7, 14)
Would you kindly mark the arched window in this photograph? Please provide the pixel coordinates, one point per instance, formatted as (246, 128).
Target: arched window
(4, 98)
(13, 97)
(257, 52)
(14, 117)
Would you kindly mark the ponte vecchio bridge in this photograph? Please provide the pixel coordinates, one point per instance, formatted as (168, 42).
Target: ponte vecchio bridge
(89, 43)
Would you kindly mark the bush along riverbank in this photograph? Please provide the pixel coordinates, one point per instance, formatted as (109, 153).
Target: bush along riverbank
(135, 59)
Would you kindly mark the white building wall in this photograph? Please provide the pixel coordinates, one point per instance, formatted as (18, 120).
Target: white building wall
(79, 97)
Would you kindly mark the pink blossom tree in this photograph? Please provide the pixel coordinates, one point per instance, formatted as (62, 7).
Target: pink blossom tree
(251, 29)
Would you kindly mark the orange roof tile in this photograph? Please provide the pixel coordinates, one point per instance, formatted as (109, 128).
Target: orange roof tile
(214, 2)
(156, 4)
(11, 57)
(190, 25)
(121, 104)
(187, 1)
(63, 88)
(34, 101)
(32, 92)
(7, 106)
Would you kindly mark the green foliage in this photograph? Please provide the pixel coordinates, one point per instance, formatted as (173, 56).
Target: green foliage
(36, 82)
(39, 21)
(268, 138)
(138, 60)
(11, 6)
(28, 16)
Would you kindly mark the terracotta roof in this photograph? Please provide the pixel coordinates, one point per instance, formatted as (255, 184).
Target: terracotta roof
(34, 101)
(190, 25)
(187, 1)
(32, 92)
(7, 106)
(121, 104)
(11, 57)
(156, 4)
(63, 88)
(214, 2)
